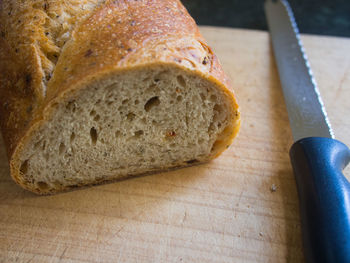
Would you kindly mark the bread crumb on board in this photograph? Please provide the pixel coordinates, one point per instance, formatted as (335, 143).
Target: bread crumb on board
(273, 188)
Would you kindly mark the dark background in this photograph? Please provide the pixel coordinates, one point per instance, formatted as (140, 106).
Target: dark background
(327, 17)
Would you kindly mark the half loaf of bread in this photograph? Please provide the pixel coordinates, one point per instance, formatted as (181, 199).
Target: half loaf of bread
(93, 91)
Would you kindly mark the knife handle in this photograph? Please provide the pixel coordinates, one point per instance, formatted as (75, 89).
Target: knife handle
(324, 198)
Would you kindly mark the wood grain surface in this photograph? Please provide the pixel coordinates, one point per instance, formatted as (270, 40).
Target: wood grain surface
(242, 207)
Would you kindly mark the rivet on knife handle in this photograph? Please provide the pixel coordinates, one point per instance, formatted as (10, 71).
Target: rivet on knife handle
(317, 158)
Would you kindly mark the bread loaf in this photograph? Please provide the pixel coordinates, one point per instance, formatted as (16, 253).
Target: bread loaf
(93, 91)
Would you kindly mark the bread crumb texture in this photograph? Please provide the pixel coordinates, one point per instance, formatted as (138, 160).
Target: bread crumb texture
(126, 126)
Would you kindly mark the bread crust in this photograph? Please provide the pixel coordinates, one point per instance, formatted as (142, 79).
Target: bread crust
(113, 37)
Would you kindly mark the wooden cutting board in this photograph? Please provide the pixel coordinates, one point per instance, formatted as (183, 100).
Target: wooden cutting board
(224, 211)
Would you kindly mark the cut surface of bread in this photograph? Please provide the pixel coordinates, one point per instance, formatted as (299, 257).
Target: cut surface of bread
(128, 124)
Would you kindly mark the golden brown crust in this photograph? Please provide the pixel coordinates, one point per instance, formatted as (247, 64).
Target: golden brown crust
(113, 36)
(32, 35)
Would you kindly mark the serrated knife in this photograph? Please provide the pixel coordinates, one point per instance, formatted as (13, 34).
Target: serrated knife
(317, 158)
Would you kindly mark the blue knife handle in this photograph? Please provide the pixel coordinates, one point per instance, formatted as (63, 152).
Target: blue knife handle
(324, 198)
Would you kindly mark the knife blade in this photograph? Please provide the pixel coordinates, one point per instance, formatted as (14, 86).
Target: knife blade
(316, 157)
(306, 111)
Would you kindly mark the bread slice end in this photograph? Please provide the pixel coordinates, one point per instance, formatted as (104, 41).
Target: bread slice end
(140, 121)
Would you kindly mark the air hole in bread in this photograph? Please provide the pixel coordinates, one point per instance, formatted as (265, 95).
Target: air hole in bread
(131, 116)
(180, 79)
(44, 145)
(161, 75)
(92, 113)
(151, 103)
(138, 133)
(213, 98)
(217, 108)
(24, 167)
(42, 186)
(71, 106)
(152, 86)
(217, 111)
(37, 145)
(93, 135)
(179, 98)
(125, 101)
(61, 149)
(97, 117)
(72, 137)
(118, 134)
(137, 102)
